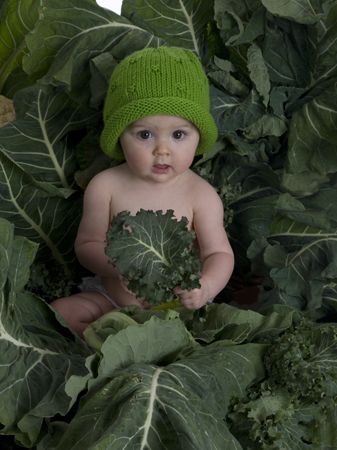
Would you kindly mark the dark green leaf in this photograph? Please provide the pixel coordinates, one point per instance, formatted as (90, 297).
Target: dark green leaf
(155, 256)
(38, 141)
(38, 353)
(180, 23)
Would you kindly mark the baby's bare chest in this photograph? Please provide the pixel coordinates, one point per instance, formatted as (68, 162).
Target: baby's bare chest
(182, 203)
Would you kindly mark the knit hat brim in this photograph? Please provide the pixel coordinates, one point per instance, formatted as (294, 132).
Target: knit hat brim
(117, 122)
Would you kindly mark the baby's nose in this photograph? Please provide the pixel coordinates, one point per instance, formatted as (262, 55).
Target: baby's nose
(162, 148)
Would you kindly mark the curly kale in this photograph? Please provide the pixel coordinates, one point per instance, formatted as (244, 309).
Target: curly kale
(296, 405)
(152, 251)
(304, 360)
(49, 281)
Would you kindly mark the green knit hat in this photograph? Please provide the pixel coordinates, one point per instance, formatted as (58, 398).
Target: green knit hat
(157, 81)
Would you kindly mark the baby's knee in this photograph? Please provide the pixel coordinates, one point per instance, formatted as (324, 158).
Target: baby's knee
(77, 309)
(78, 312)
(63, 305)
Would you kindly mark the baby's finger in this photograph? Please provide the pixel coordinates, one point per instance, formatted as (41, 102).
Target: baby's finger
(177, 290)
(184, 296)
(188, 304)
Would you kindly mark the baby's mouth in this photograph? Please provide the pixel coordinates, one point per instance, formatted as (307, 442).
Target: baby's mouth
(161, 168)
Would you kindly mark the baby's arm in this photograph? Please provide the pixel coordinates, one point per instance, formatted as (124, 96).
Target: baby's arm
(90, 241)
(216, 253)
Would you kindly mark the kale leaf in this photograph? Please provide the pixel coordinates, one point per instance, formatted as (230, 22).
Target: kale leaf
(152, 251)
(295, 406)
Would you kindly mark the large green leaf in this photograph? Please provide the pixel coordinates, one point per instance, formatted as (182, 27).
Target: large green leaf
(301, 11)
(39, 141)
(326, 65)
(152, 251)
(182, 23)
(134, 404)
(286, 47)
(141, 344)
(232, 113)
(18, 20)
(40, 212)
(148, 407)
(38, 354)
(243, 121)
(249, 191)
(225, 322)
(233, 17)
(77, 31)
(313, 136)
(305, 263)
(258, 72)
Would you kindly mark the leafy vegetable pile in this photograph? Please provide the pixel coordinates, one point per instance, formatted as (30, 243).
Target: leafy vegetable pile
(220, 377)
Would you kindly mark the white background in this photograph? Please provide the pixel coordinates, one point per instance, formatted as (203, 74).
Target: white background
(114, 5)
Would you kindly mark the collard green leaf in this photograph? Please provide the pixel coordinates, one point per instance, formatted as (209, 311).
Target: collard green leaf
(34, 346)
(90, 156)
(305, 213)
(155, 256)
(182, 23)
(329, 297)
(40, 212)
(38, 142)
(233, 17)
(250, 190)
(282, 97)
(146, 343)
(313, 136)
(304, 183)
(110, 323)
(304, 265)
(285, 49)
(324, 202)
(75, 39)
(18, 20)
(258, 72)
(225, 322)
(267, 125)
(231, 85)
(254, 28)
(232, 113)
(101, 69)
(300, 11)
(147, 407)
(162, 407)
(326, 65)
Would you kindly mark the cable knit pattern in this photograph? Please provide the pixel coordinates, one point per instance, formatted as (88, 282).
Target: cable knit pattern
(164, 80)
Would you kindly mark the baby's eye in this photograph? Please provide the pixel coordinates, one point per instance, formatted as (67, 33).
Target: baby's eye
(178, 134)
(144, 134)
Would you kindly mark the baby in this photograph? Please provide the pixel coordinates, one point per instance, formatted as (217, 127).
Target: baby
(157, 119)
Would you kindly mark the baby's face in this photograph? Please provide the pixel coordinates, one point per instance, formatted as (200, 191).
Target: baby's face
(160, 148)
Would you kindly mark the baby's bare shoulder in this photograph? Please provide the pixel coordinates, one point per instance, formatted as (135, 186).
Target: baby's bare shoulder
(202, 190)
(107, 178)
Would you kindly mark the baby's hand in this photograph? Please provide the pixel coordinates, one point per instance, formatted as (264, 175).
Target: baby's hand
(139, 301)
(194, 299)
(124, 285)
